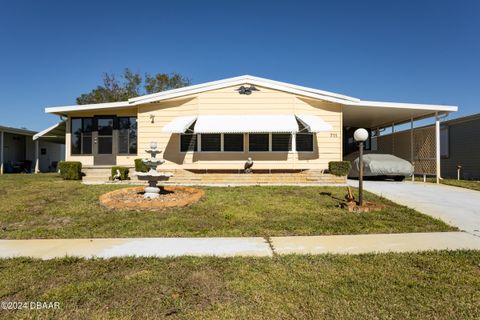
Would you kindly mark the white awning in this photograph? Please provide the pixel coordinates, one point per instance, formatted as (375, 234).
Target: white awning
(314, 123)
(55, 133)
(246, 124)
(179, 124)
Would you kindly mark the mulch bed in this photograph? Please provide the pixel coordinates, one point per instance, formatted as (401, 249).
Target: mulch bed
(132, 198)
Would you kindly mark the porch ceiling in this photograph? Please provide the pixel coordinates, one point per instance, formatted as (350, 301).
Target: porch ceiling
(377, 116)
(55, 133)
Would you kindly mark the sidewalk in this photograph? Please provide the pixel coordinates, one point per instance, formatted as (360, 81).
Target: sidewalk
(227, 247)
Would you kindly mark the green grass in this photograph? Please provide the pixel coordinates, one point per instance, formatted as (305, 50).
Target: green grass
(468, 184)
(44, 206)
(434, 285)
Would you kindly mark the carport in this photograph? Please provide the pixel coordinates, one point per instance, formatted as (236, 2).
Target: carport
(421, 148)
(54, 134)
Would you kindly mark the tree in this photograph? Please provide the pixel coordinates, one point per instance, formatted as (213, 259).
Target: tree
(131, 85)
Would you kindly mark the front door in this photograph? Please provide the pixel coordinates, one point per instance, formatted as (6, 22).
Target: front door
(104, 146)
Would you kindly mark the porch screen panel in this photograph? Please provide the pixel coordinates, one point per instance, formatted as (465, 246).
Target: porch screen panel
(127, 135)
(87, 135)
(258, 141)
(304, 142)
(211, 142)
(233, 142)
(281, 142)
(76, 144)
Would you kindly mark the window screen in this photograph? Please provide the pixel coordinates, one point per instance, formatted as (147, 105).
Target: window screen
(188, 142)
(258, 142)
(127, 135)
(211, 142)
(281, 142)
(304, 142)
(233, 142)
(76, 144)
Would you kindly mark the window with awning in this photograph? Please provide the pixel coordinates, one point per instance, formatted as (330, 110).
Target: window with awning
(266, 133)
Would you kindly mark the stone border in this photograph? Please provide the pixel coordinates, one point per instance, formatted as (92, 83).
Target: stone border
(107, 201)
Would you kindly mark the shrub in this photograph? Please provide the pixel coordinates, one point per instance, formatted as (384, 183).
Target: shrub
(123, 172)
(140, 166)
(339, 168)
(70, 170)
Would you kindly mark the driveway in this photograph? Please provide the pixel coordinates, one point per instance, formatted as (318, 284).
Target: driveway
(456, 206)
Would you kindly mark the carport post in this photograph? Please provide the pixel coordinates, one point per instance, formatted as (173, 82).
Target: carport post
(1, 152)
(437, 146)
(37, 169)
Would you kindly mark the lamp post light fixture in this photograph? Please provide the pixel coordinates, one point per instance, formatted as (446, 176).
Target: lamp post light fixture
(360, 135)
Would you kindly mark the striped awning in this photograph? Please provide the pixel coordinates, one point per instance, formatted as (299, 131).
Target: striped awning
(247, 124)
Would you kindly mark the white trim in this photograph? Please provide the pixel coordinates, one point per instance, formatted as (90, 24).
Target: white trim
(257, 81)
(85, 107)
(43, 132)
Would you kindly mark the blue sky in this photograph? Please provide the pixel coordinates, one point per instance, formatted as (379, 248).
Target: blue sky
(408, 51)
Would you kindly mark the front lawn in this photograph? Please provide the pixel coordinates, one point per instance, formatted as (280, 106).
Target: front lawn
(44, 206)
(434, 285)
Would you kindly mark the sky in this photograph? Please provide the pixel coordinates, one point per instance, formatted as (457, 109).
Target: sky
(405, 51)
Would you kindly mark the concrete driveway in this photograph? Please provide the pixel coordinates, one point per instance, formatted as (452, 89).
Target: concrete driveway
(456, 206)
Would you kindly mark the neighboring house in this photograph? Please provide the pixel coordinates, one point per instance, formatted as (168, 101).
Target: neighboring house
(460, 147)
(218, 125)
(20, 153)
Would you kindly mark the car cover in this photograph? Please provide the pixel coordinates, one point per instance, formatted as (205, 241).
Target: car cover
(382, 165)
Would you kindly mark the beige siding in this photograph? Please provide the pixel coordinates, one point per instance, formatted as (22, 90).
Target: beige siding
(228, 101)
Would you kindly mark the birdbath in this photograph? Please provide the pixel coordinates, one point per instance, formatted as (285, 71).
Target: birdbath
(152, 176)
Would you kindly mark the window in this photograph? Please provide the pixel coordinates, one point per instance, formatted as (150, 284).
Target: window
(127, 135)
(211, 142)
(258, 142)
(281, 142)
(233, 142)
(444, 142)
(304, 142)
(81, 135)
(188, 142)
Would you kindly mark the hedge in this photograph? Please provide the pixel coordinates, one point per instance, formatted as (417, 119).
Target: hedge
(123, 172)
(339, 168)
(70, 170)
(140, 166)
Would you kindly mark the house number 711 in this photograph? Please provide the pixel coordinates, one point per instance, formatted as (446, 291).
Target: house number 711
(333, 135)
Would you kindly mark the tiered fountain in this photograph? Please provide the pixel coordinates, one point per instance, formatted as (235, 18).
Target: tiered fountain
(148, 198)
(152, 176)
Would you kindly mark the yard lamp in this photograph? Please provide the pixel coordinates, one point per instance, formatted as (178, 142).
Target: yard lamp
(360, 135)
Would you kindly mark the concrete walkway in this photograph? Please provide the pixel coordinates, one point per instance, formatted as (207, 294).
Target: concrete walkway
(227, 247)
(459, 207)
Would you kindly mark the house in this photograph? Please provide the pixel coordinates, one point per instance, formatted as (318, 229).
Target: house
(459, 147)
(22, 150)
(217, 125)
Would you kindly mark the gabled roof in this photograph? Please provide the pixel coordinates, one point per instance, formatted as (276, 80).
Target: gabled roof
(256, 81)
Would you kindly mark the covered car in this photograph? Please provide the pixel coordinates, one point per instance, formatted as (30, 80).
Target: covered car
(381, 165)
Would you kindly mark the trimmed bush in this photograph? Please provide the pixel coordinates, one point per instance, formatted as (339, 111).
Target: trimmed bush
(339, 168)
(123, 172)
(140, 166)
(70, 170)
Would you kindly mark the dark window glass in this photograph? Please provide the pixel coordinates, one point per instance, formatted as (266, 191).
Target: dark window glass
(76, 132)
(281, 142)
(188, 142)
(105, 145)
(87, 125)
(304, 142)
(105, 126)
(211, 142)
(258, 142)
(87, 144)
(127, 135)
(233, 142)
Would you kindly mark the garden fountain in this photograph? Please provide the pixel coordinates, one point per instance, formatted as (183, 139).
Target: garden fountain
(152, 176)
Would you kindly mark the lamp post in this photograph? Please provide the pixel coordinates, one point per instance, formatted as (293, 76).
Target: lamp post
(360, 135)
